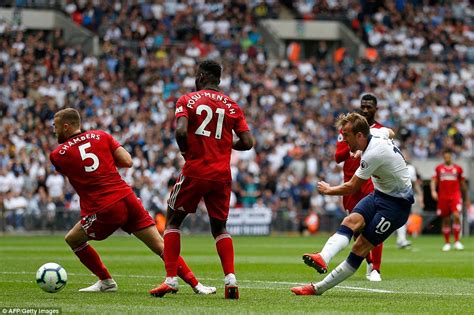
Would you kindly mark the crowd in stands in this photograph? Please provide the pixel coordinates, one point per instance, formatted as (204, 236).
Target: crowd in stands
(423, 30)
(169, 20)
(130, 91)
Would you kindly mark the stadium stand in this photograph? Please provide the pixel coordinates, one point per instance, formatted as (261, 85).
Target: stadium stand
(148, 56)
(441, 31)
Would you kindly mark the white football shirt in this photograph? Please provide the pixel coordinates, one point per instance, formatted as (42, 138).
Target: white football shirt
(384, 162)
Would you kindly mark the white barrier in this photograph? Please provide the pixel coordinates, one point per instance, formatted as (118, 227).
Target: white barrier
(249, 221)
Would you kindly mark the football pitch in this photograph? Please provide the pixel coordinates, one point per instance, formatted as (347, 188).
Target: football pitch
(421, 280)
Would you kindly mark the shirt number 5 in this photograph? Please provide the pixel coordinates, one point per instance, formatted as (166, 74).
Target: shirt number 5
(85, 156)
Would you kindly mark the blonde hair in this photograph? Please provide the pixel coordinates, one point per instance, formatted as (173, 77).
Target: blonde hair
(70, 116)
(358, 122)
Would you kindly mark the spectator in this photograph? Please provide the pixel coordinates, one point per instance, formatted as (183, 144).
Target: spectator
(55, 186)
(129, 90)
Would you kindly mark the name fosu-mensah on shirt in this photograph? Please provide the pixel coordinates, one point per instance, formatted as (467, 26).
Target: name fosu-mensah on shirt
(72, 142)
(217, 97)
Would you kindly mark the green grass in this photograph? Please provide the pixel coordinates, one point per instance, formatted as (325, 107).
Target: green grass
(423, 280)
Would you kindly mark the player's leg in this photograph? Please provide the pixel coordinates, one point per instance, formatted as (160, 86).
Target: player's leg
(446, 229)
(457, 225)
(348, 267)
(349, 202)
(344, 270)
(77, 240)
(337, 242)
(377, 230)
(353, 223)
(445, 214)
(402, 241)
(390, 214)
(224, 245)
(171, 252)
(217, 203)
(368, 260)
(374, 261)
(376, 254)
(225, 250)
(142, 225)
(155, 242)
(385, 221)
(373, 269)
(184, 198)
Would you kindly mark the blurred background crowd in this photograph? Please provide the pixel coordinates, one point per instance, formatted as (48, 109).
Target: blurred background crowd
(148, 59)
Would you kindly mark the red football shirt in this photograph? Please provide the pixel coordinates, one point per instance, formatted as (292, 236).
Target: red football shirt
(212, 116)
(449, 180)
(87, 161)
(350, 164)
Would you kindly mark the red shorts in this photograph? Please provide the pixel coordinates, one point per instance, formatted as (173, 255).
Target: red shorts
(127, 213)
(350, 201)
(188, 191)
(448, 206)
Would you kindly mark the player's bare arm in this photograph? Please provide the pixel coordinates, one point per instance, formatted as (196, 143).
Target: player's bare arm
(244, 143)
(344, 189)
(122, 158)
(434, 193)
(182, 134)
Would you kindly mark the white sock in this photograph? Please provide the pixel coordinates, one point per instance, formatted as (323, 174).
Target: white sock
(334, 245)
(172, 281)
(402, 234)
(230, 279)
(339, 274)
(199, 285)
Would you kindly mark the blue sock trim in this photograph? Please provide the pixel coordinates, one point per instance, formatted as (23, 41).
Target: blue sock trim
(344, 230)
(354, 260)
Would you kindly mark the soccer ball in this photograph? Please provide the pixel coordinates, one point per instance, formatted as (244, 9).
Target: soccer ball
(51, 277)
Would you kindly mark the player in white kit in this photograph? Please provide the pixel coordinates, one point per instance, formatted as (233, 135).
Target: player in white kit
(377, 215)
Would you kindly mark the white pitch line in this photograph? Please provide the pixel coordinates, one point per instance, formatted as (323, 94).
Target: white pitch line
(349, 288)
(365, 289)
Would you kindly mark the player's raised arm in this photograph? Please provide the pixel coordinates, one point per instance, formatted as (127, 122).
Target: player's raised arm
(244, 143)
(182, 134)
(122, 158)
